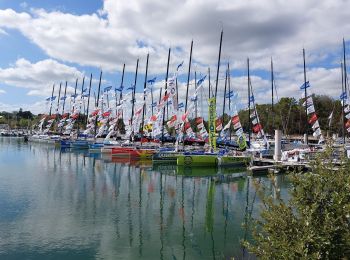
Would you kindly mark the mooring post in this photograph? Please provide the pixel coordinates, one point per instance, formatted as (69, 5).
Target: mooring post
(278, 145)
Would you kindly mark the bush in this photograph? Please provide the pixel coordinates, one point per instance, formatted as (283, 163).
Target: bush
(314, 223)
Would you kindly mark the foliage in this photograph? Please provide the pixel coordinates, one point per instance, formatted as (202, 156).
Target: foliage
(289, 115)
(314, 223)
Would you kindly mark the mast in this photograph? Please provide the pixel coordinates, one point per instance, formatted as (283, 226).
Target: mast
(53, 89)
(272, 101)
(82, 92)
(188, 75)
(133, 93)
(121, 84)
(58, 100)
(305, 94)
(152, 99)
(208, 82)
(249, 125)
(144, 98)
(166, 91)
(345, 74)
(88, 104)
(343, 99)
(218, 67)
(229, 91)
(98, 99)
(223, 108)
(195, 87)
(64, 101)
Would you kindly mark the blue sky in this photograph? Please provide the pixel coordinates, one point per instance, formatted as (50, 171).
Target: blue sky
(46, 42)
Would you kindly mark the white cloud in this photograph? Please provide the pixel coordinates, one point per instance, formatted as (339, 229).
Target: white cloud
(124, 30)
(38, 77)
(2, 91)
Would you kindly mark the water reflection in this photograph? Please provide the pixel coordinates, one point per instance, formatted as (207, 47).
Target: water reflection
(72, 204)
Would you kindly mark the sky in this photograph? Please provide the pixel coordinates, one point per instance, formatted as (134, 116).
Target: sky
(50, 42)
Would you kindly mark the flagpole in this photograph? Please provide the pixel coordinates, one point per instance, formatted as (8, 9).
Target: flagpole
(144, 98)
(345, 82)
(306, 122)
(165, 93)
(98, 99)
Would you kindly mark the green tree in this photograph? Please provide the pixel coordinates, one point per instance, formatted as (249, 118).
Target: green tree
(314, 223)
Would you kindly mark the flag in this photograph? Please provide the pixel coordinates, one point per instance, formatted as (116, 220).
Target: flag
(131, 87)
(343, 96)
(181, 105)
(330, 119)
(237, 125)
(252, 99)
(347, 109)
(313, 119)
(305, 85)
(218, 124)
(53, 98)
(310, 110)
(63, 98)
(194, 98)
(180, 65)
(230, 94)
(106, 89)
(154, 104)
(235, 119)
(120, 89)
(48, 99)
(309, 102)
(257, 128)
(347, 124)
(317, 132)
(85, 95)
(315, 125)
(199, 82)
(84, 90)
(106, 114)
(254, 121)
(74, 95)
(152, 81)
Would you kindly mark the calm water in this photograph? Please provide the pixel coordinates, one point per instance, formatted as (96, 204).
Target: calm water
(71, 205)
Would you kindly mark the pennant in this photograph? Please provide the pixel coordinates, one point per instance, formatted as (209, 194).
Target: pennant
(317, 132)
(218, 124)
(347, 109)
(347, 124)
(254, 121)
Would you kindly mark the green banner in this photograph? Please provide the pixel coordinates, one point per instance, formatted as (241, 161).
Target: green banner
(211, 125)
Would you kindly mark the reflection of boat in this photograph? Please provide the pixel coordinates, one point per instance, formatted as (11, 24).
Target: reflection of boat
(142, 152)
(210, 171)
(80, 144)
(165, 157)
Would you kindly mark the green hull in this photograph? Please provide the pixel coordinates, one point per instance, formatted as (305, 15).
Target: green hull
(197, 160)
(165, 157)
(234, 161)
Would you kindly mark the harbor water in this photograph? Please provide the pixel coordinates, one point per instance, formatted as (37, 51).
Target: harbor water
(57, 204)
